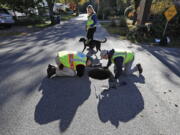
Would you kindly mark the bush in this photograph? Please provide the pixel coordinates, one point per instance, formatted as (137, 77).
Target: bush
(106, 12)
(30, 20)
(140, 33)
(123, 22)
(113, 23)
(159, 7)
(119, 21)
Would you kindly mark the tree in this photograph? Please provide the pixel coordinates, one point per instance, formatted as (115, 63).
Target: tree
(51, 6)
(20, 5)
(145, 6)
(23, 6)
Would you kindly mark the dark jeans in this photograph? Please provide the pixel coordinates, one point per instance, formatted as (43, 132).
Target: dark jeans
(118, 64)
(90, 33)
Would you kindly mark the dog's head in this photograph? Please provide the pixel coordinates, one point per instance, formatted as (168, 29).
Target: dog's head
(82, 40)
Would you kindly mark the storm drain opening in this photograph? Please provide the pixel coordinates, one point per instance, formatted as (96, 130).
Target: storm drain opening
(100, 74)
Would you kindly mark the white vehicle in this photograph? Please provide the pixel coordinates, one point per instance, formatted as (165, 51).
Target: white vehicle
(6, 19)
(59, 6)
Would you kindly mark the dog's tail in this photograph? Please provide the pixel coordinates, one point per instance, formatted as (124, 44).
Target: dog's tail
(104, 40)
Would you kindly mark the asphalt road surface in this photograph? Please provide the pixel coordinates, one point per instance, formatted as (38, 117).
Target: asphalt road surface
(31, 104)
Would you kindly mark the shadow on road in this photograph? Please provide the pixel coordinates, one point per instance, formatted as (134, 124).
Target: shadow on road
(170, 57)
(164, 54)
(32, 53)
(61, 97)
(122, 104)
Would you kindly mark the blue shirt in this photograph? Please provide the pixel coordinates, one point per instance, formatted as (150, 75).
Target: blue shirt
(94, 18)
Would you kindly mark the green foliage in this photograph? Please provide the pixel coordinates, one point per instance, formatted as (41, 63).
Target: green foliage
(158, 7)
(20, 5)
(106, 12)
(31, 20)
(123, 22)
(112, 7)
(141, 33)
(122, 31)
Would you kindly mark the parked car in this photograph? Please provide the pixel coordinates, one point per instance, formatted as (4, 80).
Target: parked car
(6, 19)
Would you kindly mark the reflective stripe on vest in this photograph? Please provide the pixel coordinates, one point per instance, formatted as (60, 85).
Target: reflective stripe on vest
(71, 62)
(72, 59)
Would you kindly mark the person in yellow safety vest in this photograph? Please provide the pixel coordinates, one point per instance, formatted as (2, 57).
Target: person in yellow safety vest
(91, 23)
(69, 63)
(121, 59)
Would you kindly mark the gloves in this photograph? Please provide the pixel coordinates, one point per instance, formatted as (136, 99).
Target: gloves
(61, 66)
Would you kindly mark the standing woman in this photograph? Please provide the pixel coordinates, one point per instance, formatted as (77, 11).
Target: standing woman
(91, 23)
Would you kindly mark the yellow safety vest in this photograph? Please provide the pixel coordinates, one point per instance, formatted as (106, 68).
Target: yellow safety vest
(90, 22)
(127, 55)
(71, 59)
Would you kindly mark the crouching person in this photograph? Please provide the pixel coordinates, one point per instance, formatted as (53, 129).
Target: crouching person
(122, 59)
(69, 63)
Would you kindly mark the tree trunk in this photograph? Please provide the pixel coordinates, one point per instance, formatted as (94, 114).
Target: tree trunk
(136, 5)
(77, 8)
(143, 14)
(15, 16)
(137, 2)
(51, 14)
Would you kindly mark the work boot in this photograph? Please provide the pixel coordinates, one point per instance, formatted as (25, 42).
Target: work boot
(139, 68)
(51, 70)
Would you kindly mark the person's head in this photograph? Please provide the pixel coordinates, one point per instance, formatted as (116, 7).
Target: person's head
(104, 54)
(89, 61)
(90, 10)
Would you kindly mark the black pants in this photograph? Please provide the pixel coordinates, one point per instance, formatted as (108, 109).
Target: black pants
(90, 33)
(118, 64)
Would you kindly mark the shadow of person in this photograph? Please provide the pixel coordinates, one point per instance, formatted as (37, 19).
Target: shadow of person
(121, 104)
(61, 97)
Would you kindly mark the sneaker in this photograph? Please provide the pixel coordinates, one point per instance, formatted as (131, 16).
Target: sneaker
(139, 68)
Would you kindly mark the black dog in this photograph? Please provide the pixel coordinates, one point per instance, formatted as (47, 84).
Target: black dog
(92, 44)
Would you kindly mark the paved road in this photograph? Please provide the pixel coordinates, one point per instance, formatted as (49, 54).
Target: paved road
(31, 104)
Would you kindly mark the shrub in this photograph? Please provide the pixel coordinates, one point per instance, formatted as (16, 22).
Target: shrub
(30, 20)
(123, 22)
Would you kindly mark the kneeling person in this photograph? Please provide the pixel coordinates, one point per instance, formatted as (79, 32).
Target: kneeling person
(69, 63)
(121, 59)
